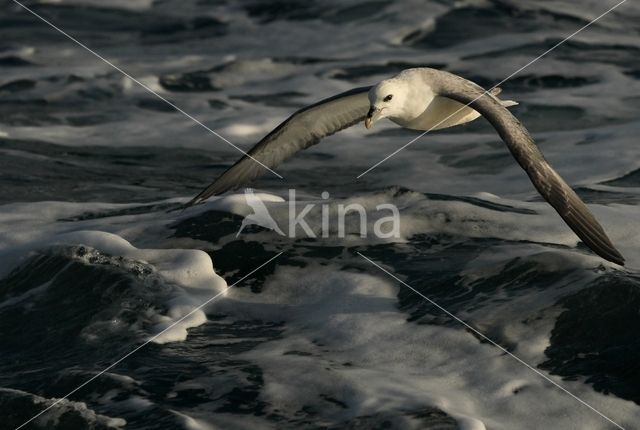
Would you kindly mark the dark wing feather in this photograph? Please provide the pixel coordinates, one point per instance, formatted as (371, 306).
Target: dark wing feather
(301, 130)
(550, 185)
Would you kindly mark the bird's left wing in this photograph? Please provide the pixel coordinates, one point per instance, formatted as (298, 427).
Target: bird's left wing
(546, 180)
(301, 130)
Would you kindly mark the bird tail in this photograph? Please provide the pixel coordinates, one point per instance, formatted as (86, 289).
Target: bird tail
(506, 103)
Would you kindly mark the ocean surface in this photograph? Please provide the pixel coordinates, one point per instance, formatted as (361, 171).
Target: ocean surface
(95, 260)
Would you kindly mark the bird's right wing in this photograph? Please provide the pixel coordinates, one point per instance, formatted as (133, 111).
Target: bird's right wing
(546, 180)
(301, 130)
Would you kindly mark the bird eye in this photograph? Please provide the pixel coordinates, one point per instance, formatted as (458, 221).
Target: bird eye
(388, 98)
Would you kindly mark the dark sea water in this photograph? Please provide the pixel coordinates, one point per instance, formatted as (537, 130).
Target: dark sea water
(94, 261)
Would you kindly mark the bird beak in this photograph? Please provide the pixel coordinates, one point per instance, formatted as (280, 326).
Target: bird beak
(372, 116)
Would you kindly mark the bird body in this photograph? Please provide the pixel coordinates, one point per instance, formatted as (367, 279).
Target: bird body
(420, 99)
(442, 113)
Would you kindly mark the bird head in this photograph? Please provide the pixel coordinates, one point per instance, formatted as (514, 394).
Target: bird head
(385, 101)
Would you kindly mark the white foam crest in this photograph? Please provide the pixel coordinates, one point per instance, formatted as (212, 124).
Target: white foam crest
(191, 423)
(62, 411)
(32, 227)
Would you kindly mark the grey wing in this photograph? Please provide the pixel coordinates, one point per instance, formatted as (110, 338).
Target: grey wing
(301, 130)
(546, 180)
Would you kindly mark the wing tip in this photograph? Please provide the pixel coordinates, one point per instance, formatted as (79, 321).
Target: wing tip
(218, 187)
(615, 257)
(190, 203)
(605, 250)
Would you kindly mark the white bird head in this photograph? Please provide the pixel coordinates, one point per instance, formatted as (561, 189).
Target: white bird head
(386, 100)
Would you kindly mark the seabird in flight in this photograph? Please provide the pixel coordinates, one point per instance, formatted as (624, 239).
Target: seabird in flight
(419, 99)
